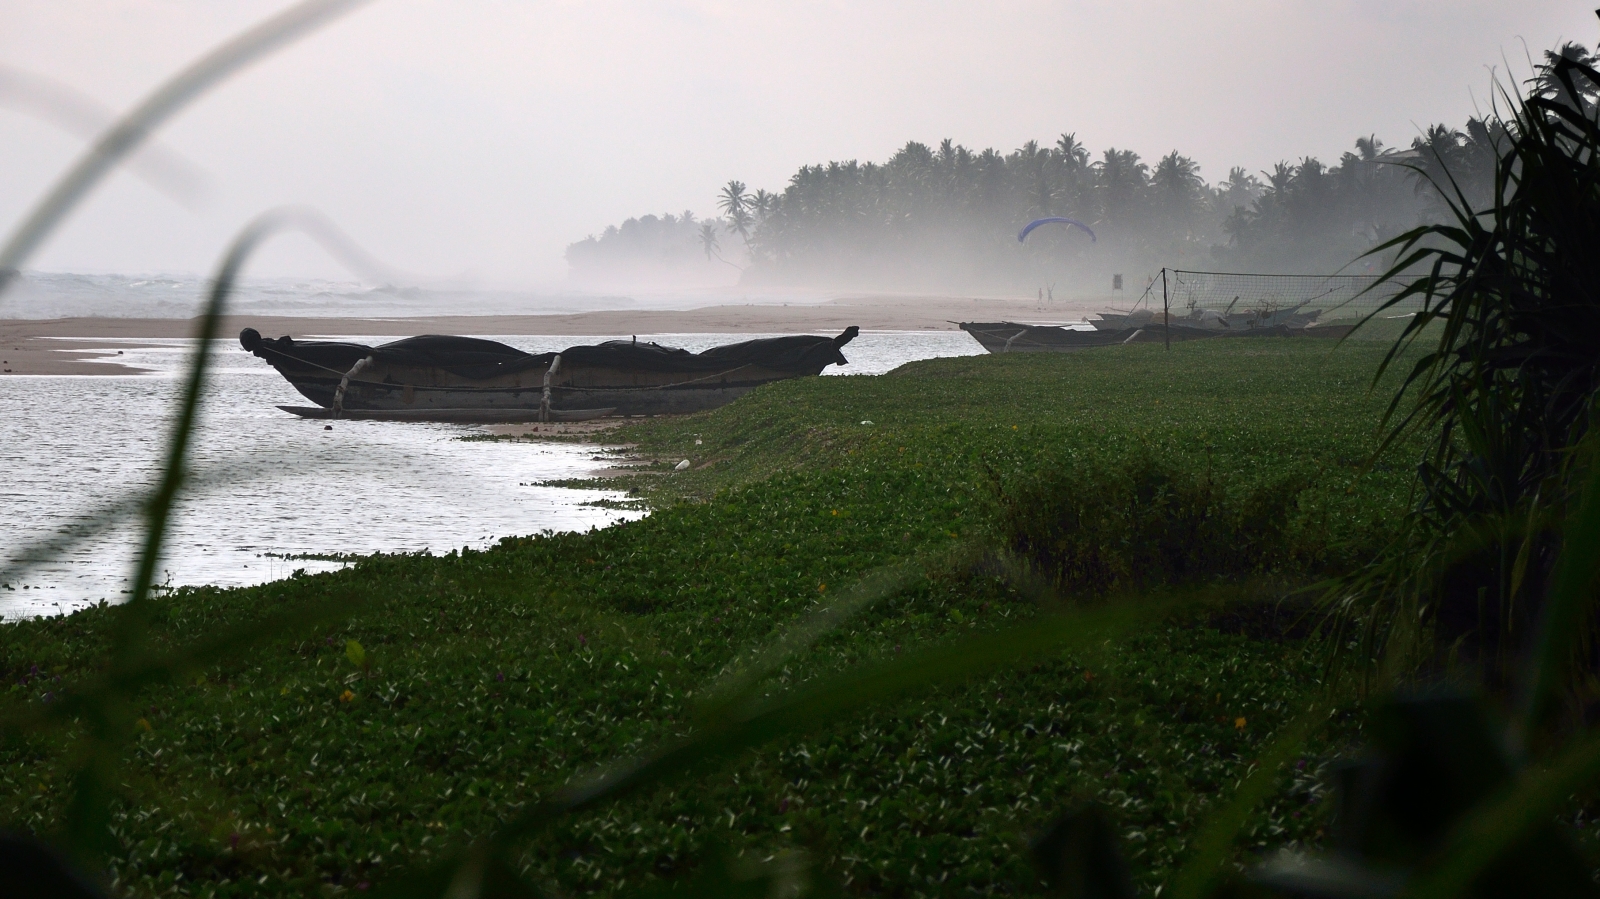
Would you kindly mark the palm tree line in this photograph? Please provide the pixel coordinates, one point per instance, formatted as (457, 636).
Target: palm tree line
(946, 216)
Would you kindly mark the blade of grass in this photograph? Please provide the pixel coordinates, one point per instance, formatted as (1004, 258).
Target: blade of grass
(738, 686)
(107, 720)
(133, 128)
(1571, 599)
(751, 724)
(83, 117)
(1477, 842)
(225, 472)
(1200, 874)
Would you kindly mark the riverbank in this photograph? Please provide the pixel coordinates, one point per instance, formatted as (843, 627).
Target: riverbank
(488, 679)
(82, 346)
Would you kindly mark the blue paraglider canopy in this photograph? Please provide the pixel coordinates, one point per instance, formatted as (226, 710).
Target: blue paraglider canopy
(1053, 220)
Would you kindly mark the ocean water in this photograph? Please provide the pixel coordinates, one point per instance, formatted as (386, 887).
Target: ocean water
(47, 295)
(275, 488)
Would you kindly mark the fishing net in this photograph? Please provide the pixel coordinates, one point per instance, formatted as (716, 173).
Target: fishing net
(1333, 297)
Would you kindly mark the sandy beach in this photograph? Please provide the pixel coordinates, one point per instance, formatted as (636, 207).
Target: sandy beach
(89, 346)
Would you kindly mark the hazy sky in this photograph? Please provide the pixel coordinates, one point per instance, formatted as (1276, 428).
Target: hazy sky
(477, 138)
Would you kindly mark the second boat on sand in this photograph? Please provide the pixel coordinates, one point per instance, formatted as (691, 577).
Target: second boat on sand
(1013, 337)
(440, 378)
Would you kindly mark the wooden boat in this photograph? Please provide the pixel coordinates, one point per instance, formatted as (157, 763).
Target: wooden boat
(468, 379)
(1227, 320)
(1121, 321)
(1012, 337)
(453, 416)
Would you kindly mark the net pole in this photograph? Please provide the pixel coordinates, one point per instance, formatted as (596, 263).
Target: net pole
(1166, 311)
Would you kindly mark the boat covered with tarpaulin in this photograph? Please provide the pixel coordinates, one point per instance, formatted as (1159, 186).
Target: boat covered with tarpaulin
(443, 378)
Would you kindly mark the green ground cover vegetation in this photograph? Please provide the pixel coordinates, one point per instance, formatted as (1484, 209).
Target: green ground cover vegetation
(449, 693)
(1132, 512)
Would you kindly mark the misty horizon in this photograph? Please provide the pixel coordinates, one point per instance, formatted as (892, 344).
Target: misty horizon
(473, 145)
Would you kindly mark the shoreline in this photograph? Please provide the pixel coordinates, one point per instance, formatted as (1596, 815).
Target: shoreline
(88, 346)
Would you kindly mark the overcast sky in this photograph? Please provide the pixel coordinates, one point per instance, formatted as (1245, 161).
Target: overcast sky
(475, 139)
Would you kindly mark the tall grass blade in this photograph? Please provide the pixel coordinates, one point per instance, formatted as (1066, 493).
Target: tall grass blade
(106, 716)
(733, 726)
(1214, 845)
(170, 97)
(1571, 600)
(876, 586)
(81, 116)
(224, 472)
(743, 726)
(1480, 840)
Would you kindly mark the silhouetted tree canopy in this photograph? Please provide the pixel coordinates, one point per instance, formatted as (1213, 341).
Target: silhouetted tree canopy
(944, 217)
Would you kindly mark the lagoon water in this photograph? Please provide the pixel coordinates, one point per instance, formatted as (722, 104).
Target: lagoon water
(277, 488)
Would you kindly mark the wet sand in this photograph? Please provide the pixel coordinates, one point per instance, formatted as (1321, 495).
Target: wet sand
(80, 346)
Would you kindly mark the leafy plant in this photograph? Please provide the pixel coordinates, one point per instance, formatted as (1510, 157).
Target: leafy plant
(1446, 804)
(1504, 392)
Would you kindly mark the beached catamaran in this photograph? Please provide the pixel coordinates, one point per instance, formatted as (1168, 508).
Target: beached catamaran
(468, 379)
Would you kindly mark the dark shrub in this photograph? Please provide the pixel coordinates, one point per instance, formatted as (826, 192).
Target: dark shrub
(1143, 523)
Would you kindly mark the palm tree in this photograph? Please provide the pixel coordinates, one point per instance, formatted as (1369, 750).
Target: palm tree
(1177, 180)
(1122, 181)
(735, 203)
(739, 222)
(1073, 152)
(1239, 190)
(733, 198)
(708, 238)
(761, 204)
(1546, 84)
(1179, 195)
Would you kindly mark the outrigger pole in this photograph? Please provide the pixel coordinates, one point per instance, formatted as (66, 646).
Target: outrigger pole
(1166, 310)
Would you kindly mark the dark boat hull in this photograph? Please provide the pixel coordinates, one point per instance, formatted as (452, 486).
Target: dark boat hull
(664, 400)
(434, 378)
(452, 416)
(1011, 337)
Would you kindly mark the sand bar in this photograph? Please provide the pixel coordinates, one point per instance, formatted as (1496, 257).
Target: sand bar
(79, 346)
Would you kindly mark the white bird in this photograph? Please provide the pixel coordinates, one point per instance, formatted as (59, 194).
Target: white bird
(681, 466)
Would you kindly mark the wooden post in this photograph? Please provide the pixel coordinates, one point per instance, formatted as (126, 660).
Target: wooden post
(1166, 310)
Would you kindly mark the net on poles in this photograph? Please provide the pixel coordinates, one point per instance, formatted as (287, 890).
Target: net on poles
(1334, 297)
